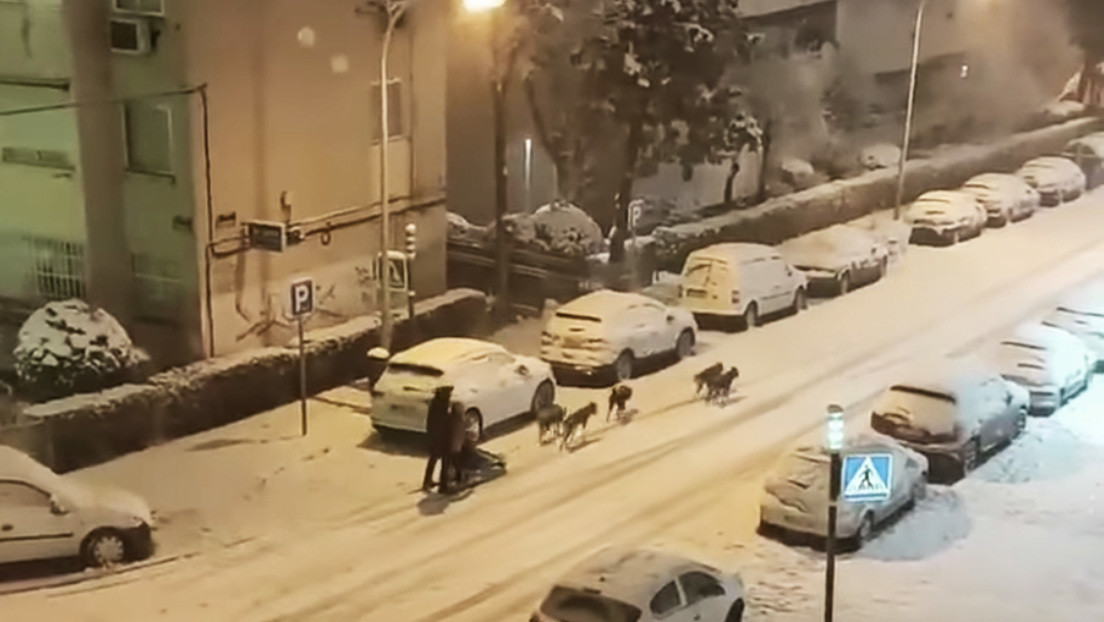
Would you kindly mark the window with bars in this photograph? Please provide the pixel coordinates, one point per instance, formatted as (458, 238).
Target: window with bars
(396, 114)
(57, 268)
(157, 288)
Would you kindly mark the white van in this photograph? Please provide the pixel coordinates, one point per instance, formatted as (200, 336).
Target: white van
(740, 281)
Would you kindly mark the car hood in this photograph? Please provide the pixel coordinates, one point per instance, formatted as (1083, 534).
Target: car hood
(116, 500)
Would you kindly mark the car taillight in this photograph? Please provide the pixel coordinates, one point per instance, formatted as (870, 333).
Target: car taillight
(735, 298)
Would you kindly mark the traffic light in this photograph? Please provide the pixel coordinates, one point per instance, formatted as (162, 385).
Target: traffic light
(411, 245)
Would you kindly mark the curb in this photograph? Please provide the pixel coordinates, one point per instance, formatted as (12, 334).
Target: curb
(31, 585)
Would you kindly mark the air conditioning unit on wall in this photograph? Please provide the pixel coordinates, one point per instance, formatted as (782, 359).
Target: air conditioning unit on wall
(131, 35)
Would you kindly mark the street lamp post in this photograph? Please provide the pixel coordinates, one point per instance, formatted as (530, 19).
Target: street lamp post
(834, 444)
(914, 67)
(394, 13)
(498, 110)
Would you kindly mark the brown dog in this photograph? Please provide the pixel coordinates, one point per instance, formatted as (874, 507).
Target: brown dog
(574, 425)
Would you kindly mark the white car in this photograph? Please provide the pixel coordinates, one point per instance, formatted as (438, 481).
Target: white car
(490, 383)
(1088, 153)
(608, 333)
(795, 494)
(945, 217)
(1082, 315)
(1006, 198)
(1053, 365)
(622, 585)
(46, 516)
(838, 258)
(1057, 179)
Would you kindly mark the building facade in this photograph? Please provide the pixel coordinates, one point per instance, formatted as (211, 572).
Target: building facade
(228, 111)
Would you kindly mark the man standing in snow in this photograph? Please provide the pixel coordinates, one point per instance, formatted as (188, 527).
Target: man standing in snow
(438, 437)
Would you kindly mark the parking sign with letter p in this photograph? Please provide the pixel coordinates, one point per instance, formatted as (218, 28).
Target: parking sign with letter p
(302, 297)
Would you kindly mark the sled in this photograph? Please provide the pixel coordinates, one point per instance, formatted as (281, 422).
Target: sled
(483, 467)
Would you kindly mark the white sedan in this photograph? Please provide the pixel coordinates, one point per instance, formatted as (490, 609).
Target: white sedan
(490, 383)
(45, 516)
(1082, 315)
(608, 332)
(624, 585)
(837, 258)
(1006, 198)
(945, 216)
(1053, 365)
(795, 494)
(1057, 179)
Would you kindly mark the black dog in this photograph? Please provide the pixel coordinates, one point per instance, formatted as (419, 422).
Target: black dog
(721, 386)
(701, 380)
(550, 418)
(618, 398)
(574, 425)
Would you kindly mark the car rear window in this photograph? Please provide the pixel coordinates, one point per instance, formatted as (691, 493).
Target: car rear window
(415, 370)
(566, 604)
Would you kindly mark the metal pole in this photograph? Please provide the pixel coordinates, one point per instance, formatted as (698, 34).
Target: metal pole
(302, 378)
(830, 544)
(502, 255)
(385, 199)
(913, 71)
(529, 175)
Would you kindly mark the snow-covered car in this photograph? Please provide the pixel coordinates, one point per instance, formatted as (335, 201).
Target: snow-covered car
(953, 415)
(608, 333)
(741, 282)
(795, 494)
(1006, 198)
(945, 217)
(1056, 179)
(634, 585)
(489, 382)
(837, 258)
(1082, 315)
(1053, 365)
(45, 516)
(1087, 152)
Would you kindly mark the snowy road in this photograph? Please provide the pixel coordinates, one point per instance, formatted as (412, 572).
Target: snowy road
(680, 472)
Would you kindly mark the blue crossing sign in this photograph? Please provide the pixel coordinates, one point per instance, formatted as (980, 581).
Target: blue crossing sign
(867, 477)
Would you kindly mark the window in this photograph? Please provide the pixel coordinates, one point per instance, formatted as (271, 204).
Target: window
(20, 495)
(666, 600)
(396, 117)
(144, 7)
(699, 586)
(58, 272)
(148, 138)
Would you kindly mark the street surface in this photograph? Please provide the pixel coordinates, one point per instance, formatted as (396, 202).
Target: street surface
(680, 474)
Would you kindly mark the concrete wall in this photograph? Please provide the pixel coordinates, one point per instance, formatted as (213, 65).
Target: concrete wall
(877, 34)
(291, 109)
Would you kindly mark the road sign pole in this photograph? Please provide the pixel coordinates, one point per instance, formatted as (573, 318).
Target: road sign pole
(830, 543)
(302, 378)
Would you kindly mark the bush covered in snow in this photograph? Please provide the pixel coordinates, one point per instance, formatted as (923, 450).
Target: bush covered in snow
(70, 347)
(558, 227)
(880, 155)
(460, 229)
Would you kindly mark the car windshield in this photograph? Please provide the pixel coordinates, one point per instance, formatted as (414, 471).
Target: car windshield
(803, 470)
(567, 604)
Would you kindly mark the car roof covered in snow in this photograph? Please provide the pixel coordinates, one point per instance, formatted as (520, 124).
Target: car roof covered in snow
(738, 251)
(1047, 162)
(445, 352)
(994, 180)
(15, 464)
(603, 301)
(943, 196)
(1038, 335)
(952, 377)
(861, 441)
(1088, 302)
(632, 576)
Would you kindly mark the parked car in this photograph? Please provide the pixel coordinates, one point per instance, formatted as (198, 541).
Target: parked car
(945, 216)
(45, 516)
(624, 585)
(740, 281)
(1082, 315)
(1006, 198)
(795, 494)
(953, 416)
(1087, 152)
(1049, 362)
(490, 383)
(609, 333)
(838, 258)
(1057, 179)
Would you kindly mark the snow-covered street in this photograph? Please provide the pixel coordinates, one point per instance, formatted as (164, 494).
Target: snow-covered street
(1016, 541)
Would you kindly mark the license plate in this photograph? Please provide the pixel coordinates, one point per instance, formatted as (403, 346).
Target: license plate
(695, 293)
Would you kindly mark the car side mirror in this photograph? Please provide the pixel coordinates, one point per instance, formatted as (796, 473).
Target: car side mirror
(57, 508)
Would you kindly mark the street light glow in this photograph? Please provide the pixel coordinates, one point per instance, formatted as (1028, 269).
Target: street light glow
(835, 438)
(481, 6)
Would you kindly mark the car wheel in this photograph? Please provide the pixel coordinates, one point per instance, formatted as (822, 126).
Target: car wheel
(751, 316)
(545, 395)
(970, 456)
(918, 490)
(684, 346)
(623, 366)
(801, 302)
(736, 612)
(1021, 424)
(473, 424)
(104, 548)
(1002, 221)
(956, 237)
(883, 267)
(844, 284)
(866, 530)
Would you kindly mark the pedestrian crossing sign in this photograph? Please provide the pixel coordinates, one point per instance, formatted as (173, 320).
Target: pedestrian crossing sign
(867, 477)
